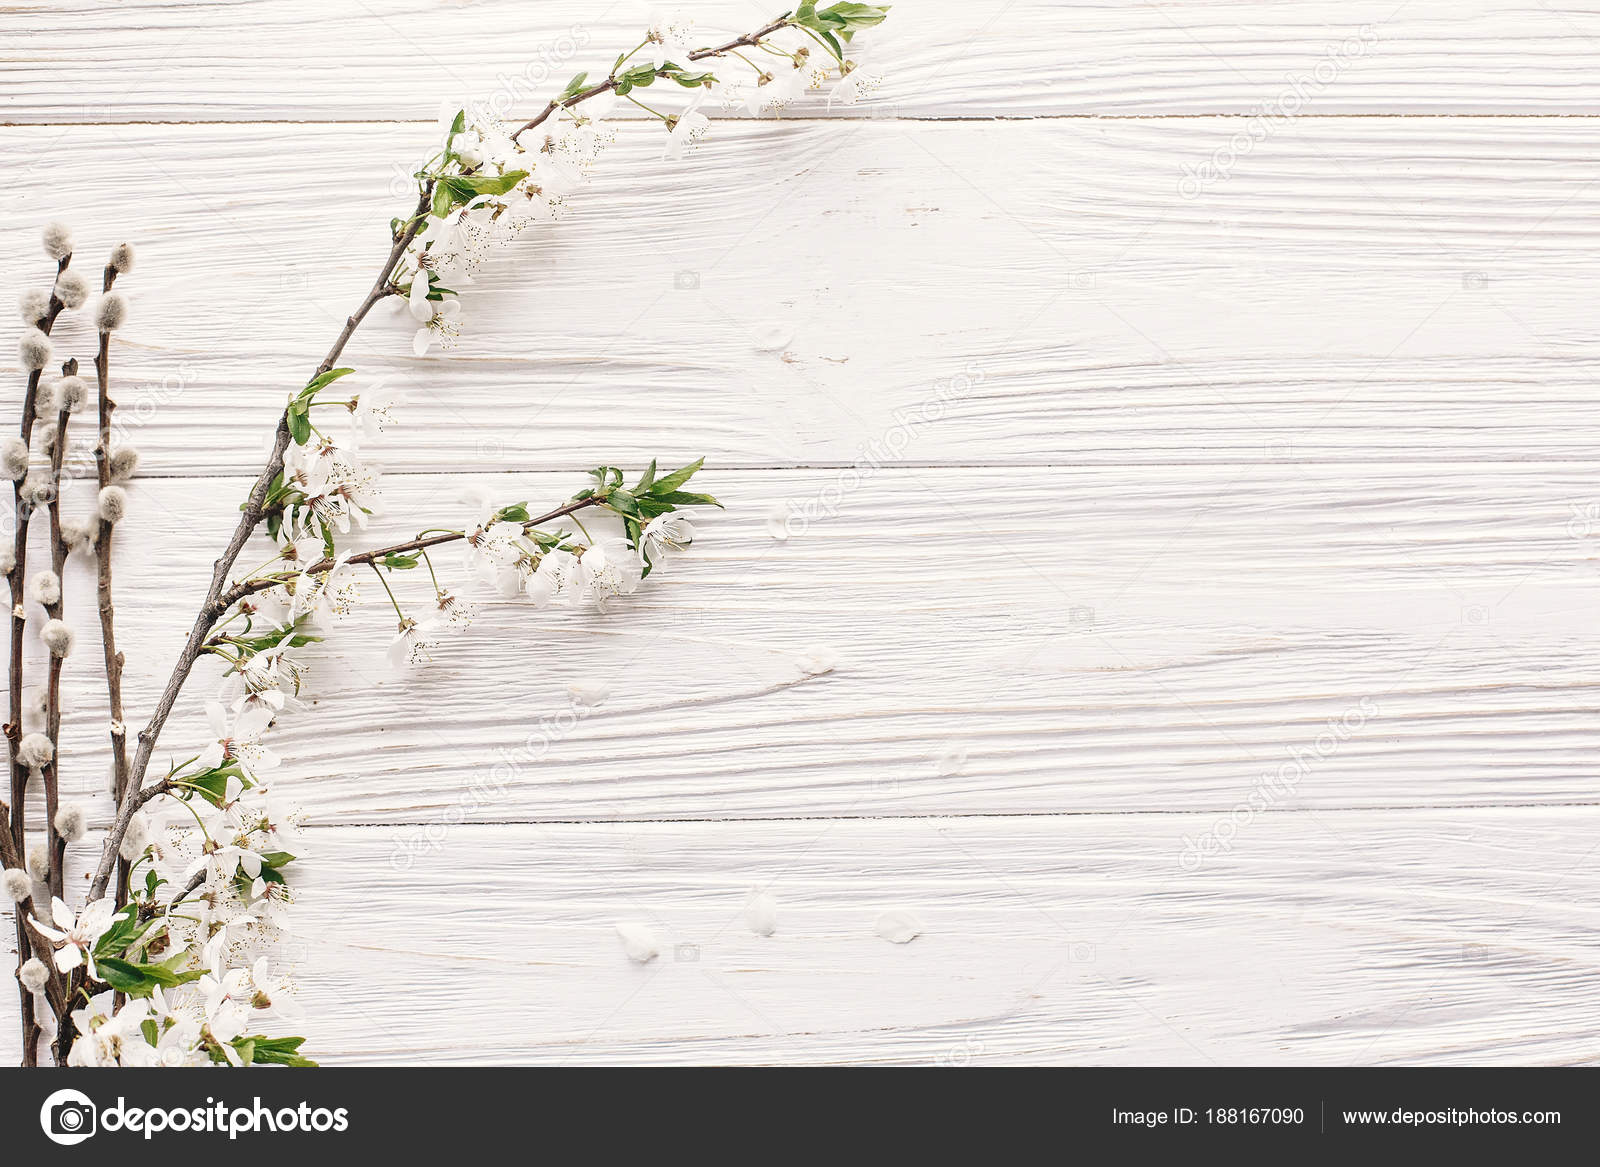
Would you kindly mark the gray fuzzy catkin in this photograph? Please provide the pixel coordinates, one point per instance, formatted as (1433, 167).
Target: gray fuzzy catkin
(14, 458)
(34, 349)
(35, 750)
(110, 313)
(72, 289)
(124, 461)
(33, 305)
(113, 503)
(72, 393)
(122, 258)
(58, 637)
(44, 399)
(57, 240)
(45, 588)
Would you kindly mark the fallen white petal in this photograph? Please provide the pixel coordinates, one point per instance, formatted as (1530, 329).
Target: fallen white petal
(899, 927)
(638, 941)
(761, 913)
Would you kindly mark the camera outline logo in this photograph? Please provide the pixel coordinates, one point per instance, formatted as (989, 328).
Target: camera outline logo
(68, 1117)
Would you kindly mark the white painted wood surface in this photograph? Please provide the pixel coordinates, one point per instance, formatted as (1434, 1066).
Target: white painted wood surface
(1180, 474)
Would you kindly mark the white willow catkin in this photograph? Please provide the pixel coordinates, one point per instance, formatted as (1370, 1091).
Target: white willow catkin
(57, 240)
(113, 503)
(72, 289)
(34, 349)
(110, 313)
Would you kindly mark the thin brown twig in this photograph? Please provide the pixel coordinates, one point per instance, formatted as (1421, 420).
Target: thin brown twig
(254, 510)
(50, 771)
(748, 40)
(19, 622)
(262, 583)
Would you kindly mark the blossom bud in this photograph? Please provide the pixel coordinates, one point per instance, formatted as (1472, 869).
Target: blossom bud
(45, 588)
(33, 974)
(71, 823)
(111, 312)
(57, 637)
(35, 750)
(17, 885)
(122, 257)
(57, 240)
(124, 461)
(14, 458)
(72, 289)
(113, 503)
(35, 349)
(33, 306)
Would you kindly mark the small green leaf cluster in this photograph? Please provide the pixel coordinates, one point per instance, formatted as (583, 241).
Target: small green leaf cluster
(839, 22)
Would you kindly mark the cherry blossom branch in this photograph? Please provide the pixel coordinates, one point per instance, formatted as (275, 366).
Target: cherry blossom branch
(213, 609)
(422, 543)
(748, 40)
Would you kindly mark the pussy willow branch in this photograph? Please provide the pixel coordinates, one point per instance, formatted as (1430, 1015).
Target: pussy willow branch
(50, 771)
(214, 607)
(13, 727)
(748, 40)
(108, 627)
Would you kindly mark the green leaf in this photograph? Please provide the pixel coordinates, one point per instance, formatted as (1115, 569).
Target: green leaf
(517, 512)
(683, 498)
(646, 479)
(280, 1051)
(443, 200)
(395, 561)
(576, 84)
(623, 502)
(323, 380)
(213, 784)
(677, 478)
(641, 76)
(299, 423)
(466, 187)
(854, 16)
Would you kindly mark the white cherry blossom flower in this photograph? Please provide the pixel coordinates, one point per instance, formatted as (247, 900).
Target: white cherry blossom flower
(78, 935)
(239, 740)
(664, 536)
(609, 568)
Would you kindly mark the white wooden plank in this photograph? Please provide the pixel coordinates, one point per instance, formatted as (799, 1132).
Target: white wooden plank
(1443, 937)
(1020, 642)
(998, 293)
(301, 60)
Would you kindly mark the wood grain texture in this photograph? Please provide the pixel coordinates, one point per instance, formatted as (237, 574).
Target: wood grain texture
(1011, 293)
(302, 60)
(1058, 641)
(1445, 937)
(1203, 481)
